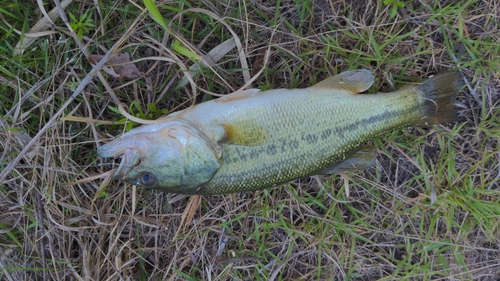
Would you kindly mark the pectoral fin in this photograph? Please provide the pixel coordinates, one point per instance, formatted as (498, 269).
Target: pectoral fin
(361, 159)
(245, 132)
(355, 81)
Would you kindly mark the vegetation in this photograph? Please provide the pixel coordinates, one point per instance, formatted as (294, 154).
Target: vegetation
(428, 210)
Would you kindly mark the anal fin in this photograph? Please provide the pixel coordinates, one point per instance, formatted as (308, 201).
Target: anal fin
(360, 160)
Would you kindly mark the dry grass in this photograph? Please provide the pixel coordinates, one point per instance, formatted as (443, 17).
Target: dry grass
(428, 210)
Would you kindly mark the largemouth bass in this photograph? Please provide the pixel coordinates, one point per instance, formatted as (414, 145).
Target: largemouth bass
(254, 139)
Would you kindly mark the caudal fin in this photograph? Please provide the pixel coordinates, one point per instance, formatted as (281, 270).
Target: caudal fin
(438, 95)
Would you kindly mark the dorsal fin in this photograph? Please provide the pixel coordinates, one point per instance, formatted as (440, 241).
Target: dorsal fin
(239, 95)
(355, 81)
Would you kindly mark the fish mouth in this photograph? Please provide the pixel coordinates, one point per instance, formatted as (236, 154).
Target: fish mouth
(129, 158)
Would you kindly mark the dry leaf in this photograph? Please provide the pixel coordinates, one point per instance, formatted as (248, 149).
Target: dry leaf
(211, 58)
(188, 214)
(118, 65)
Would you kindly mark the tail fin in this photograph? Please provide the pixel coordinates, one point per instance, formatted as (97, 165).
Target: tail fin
(438, 95)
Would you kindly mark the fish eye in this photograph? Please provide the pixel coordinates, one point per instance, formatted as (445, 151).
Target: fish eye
(147, 179)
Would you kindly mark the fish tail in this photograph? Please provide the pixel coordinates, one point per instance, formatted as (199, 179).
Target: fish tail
(437, 97)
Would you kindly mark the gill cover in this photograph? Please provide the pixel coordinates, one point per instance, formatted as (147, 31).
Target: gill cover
(173, 157)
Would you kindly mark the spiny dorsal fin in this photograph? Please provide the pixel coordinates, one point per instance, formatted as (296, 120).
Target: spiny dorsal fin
(355, 81)
(239, 95)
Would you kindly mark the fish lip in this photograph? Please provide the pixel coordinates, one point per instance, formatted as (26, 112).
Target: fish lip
(120, 171)
(124, 148)
(111, 149)
(129, 159)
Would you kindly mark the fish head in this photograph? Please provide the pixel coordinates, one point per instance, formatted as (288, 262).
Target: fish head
(172, 157)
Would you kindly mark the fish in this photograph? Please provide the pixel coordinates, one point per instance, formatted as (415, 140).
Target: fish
(252, 139)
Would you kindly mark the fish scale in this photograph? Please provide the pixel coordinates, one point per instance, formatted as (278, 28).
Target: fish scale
(289, 122)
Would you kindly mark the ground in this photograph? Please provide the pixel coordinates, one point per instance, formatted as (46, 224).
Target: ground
(427, 210)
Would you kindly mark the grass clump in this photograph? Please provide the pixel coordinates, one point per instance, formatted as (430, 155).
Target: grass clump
(428, 209)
